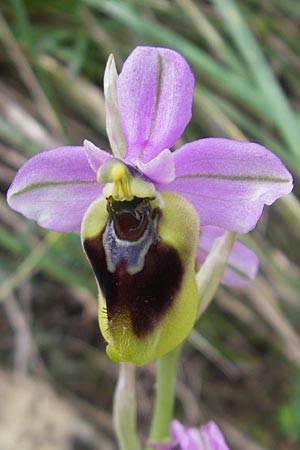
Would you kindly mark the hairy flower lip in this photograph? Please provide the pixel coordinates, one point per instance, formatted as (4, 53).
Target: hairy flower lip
(147, 286)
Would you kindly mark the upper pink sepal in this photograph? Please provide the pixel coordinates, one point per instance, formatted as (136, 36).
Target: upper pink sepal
(154, 91)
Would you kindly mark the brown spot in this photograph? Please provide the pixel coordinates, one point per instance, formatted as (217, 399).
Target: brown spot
(145, 296)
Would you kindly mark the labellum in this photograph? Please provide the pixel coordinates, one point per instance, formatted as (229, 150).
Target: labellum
(144, 267)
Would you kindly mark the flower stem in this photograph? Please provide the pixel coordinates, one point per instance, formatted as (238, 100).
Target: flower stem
(165, 395)
(124, 409)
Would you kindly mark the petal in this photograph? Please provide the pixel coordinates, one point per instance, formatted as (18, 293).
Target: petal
(243, 263)
(94, 155)
(229, 181)
(160, 169)
(155, 90)
(55, 188)
(212, 436)
(113, 124)
(186, 438)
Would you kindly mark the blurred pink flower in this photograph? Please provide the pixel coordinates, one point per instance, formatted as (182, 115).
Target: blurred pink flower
(206, 437)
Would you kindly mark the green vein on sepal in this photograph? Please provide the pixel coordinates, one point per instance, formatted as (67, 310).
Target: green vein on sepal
(236, 178)
(34, 186)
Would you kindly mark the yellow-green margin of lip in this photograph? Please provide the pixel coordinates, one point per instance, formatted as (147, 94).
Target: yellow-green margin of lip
(178, 227)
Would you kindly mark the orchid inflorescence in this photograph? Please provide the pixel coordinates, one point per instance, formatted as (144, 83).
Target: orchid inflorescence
(139, 209)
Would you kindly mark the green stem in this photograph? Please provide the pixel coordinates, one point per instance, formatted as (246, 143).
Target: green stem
(165, 395)
(124, 409)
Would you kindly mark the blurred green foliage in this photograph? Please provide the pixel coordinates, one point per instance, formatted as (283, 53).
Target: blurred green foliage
(288, 414)
(245, 57)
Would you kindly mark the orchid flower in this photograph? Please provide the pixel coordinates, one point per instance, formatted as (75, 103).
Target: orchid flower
(206, 437)
(140, 208)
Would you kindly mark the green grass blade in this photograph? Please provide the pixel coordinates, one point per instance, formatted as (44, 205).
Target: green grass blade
(157, 34)
(271, 92)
